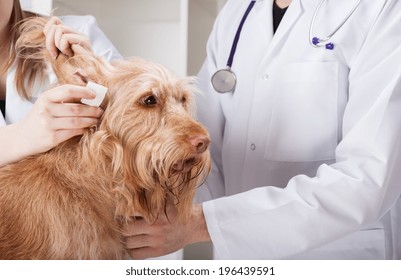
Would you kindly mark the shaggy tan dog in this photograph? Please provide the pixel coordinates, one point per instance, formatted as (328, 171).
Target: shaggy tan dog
(147, 151)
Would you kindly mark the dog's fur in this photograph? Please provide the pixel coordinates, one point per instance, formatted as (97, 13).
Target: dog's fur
(147, 151)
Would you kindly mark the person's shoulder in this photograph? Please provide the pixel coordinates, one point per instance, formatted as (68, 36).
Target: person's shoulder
(232, 9)
(240, 2)
(78, 23)
(236, 6)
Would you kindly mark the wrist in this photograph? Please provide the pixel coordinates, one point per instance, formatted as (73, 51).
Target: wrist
(12, 143)
(198, 226)
(21, 146)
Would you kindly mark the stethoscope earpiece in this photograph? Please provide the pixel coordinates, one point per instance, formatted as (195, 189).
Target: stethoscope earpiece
(316, 41)
(320, 43)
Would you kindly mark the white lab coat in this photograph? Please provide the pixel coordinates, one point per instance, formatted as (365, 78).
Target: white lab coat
(17, 107)
(306, 151)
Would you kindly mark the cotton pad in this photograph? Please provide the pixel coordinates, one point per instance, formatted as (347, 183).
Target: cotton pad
(100, 94)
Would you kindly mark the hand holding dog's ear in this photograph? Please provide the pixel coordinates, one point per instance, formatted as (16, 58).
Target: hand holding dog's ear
(57, 116)
(60, 38)
(165, 235)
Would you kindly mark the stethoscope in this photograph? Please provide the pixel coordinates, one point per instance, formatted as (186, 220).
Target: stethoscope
(225, 80)
(320, 43)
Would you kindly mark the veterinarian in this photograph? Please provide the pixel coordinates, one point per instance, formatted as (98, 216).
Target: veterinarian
(306, 135)
(33, 118)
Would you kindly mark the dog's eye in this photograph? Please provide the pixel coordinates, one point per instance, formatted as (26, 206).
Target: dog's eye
(183, 100)
(150, 100)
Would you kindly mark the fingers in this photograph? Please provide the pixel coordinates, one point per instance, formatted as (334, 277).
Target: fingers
(75, 110)
(50, 46)
(49, 31)
(72, 123)
(69, 94)
(61, 38)
(138, 234)
(143, 240)
(137, 241)
(52, 21)
(59, 109)
(137, 227)
(57, 116)
(143, 253)
(81, 48)
(143, 246)
(65, 39)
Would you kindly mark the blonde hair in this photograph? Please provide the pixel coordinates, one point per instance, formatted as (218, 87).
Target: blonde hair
(26, 70)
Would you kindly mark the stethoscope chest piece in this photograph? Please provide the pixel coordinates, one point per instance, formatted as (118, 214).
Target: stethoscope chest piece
(224, 81)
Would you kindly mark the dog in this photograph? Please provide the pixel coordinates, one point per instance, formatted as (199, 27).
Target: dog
(146, 152)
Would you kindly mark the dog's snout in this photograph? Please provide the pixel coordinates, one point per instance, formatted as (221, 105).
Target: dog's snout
(200, 142)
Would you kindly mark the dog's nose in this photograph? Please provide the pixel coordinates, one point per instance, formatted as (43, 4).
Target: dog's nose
(200, 142)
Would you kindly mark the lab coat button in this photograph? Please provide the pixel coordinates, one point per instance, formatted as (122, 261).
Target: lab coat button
(265, 77)
(253, 147)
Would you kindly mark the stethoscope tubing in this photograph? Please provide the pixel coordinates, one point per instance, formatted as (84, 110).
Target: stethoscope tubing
(238, 34)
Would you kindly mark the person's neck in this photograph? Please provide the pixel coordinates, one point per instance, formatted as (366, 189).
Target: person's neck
(283, 3)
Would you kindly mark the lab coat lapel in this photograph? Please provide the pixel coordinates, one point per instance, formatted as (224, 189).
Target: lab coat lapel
(290, 18)
(265, 19)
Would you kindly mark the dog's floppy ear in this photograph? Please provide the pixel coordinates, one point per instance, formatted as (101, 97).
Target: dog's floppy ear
(83, 66)
(132, 194)
(81, 77)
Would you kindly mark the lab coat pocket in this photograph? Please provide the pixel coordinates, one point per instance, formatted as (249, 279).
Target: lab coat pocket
(304, 117)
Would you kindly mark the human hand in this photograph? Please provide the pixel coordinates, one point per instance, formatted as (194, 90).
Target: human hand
(165, 235)
(62, 38)
(57, 116)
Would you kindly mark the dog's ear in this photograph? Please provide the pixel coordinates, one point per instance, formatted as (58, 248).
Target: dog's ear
(131, 195)
(81, 77)
(80, 69)
(31, 47)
